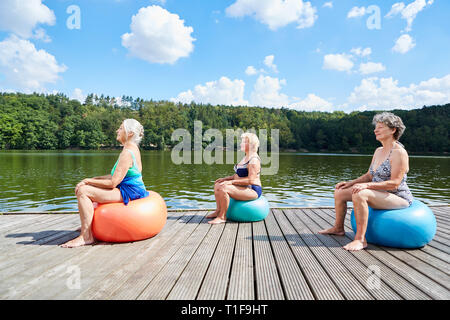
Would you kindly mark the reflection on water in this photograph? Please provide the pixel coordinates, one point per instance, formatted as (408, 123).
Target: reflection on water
(46, 180)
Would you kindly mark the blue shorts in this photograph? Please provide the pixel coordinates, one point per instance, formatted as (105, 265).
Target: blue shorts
(257, 188)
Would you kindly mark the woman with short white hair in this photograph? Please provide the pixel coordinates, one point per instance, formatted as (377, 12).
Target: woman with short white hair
(382, 187)
(245, 184)
(123, 184)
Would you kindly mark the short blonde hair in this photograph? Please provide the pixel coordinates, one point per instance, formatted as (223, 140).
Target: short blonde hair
(252, 140)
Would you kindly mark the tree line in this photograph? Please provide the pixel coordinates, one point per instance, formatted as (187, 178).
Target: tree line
(53, 121)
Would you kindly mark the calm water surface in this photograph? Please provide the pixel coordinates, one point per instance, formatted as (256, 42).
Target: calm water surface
(45, 180)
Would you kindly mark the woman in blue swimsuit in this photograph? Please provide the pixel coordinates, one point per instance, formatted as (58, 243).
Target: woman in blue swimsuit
(382, 187)
(122, 185)
(245, 184)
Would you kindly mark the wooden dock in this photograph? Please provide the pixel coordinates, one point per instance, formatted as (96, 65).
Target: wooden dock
(280, 258)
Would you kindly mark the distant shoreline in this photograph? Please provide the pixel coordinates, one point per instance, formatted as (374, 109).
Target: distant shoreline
(288, 151)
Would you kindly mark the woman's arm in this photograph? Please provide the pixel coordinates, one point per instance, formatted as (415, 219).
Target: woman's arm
(110, 182)
(367, 177)
(108, 176)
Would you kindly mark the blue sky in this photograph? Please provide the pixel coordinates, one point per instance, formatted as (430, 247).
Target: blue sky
(305, 55)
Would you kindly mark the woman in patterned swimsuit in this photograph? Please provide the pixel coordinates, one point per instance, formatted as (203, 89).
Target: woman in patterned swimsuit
(382, 187)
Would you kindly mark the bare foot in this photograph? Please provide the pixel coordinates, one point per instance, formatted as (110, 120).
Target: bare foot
(212, 215)
(334, 231)
(78, 242)
(217, 221)
(356, 245)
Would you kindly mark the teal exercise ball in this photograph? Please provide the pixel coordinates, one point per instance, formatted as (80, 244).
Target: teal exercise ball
(407, 228)
(248, 211)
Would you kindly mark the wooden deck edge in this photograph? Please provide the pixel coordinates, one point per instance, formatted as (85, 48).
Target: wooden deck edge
(183, 210)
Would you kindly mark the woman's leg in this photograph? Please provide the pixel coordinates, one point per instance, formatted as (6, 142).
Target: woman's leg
(341, 196)
(361, 202)
(86, 195)
(224, 193)
(216, 195)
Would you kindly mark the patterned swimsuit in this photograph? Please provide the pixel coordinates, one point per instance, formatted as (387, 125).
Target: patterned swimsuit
(383, 173)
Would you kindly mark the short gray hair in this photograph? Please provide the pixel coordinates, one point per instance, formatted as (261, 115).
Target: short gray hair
(392, 121)
(132, 125)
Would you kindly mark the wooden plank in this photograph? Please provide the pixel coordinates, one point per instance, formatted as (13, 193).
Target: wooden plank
(29, 280)
(241, 285)
(436, 291)
(108, 283)
(442, 222)
(26, 230)
(345, 281)
(41, 234)
(322, 286)
(81, 271)
(436, 253)
(441, 211)
(215, 283)
(187, 286)
(268, 283)
(294, 283)
(420, 265)
(445, 219)
(10, 222)
(112, 257)
(137, 282)
(364, 274)
(161, 285)
(445, 249)
(24, 255)
(399, 284)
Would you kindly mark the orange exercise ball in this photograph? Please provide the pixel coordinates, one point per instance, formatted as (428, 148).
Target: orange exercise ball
(140, 219)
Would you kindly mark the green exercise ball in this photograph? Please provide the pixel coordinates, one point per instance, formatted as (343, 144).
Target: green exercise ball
(248, 211)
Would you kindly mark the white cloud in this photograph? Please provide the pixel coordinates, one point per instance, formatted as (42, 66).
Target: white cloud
(328, 4)
(223, 91)
(409, 12)
(361, 52)
(275, 13)
(158, 36)
(396, 9)
(385, 93)
(403, 44)
(25, 67)
(356, 12)
(312, 103)
(250, 71)
(268, 61)
(339, 62)
(21, 17)
(266, 92)
(77, 94)
(371, 67)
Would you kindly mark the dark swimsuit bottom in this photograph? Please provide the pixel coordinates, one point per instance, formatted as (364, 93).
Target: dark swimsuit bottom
(242, 171)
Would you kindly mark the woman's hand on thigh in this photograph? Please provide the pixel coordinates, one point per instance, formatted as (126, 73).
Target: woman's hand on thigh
(80, 184)
(219, 180)
(343, 185)
(359, 187)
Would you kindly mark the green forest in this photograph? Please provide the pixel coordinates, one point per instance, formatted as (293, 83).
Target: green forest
(49, 121)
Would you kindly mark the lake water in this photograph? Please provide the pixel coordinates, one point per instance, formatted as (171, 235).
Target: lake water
(45, 180)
